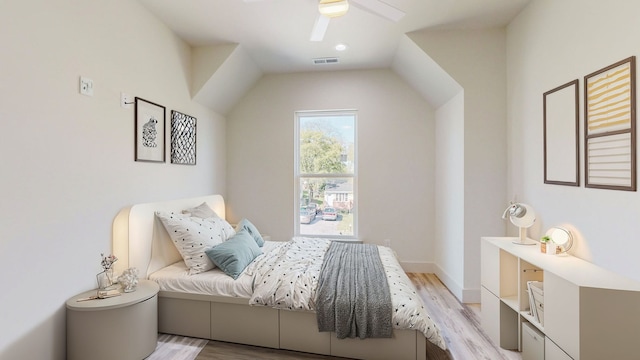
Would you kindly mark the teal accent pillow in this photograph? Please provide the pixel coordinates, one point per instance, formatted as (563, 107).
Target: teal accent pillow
(233, 255)
(252, 230)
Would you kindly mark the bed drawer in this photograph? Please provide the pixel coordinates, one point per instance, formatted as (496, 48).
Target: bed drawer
(401, 347)
(184, 317)
(241, 323)
(299, 332)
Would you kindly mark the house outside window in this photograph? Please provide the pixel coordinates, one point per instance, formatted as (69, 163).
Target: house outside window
(325, 171)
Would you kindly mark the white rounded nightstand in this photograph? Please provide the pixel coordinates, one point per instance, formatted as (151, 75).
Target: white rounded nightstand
(120, 327)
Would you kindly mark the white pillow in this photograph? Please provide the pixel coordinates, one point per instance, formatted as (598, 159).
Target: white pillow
(227, 230)
(202, 211)
(192, 236)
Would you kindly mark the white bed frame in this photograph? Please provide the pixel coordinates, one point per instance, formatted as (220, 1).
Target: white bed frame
(140, 241)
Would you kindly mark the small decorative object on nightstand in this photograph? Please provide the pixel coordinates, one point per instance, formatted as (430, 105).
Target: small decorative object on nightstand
(129, 280)
(105, 278)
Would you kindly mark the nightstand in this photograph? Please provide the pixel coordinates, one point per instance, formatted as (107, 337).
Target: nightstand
(121, 327)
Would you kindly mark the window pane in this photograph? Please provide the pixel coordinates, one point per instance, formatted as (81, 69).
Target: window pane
(326, 206)
(327, 144)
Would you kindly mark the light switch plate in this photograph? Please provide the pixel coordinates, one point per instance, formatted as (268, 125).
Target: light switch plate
(86, 86)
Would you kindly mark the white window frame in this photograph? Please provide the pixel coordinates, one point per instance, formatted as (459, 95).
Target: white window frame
(298, 175)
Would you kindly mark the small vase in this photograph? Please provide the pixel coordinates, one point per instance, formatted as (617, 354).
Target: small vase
(105, 279)
(129, 287)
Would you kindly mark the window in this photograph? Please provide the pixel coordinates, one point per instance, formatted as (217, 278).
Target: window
(325, 170)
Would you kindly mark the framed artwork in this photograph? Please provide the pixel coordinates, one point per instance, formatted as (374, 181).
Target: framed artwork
(610, 127)
(561, 130)
(149, 131)
(183, 138)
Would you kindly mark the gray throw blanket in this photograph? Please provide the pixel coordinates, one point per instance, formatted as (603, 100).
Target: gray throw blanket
(353, 296)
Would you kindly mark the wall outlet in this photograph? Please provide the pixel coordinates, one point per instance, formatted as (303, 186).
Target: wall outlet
(387, 242)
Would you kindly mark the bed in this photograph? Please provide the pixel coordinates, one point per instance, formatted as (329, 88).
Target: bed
(213, 305)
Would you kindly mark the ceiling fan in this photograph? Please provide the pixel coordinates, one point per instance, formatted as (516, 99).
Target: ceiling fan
(335, 8)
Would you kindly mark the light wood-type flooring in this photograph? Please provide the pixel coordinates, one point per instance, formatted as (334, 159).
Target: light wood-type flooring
(459, 324)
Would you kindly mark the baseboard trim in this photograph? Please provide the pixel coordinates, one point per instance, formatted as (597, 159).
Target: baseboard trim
(470, 296)
(465, 296)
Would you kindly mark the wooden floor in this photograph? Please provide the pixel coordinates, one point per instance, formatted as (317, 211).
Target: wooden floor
(459, 324)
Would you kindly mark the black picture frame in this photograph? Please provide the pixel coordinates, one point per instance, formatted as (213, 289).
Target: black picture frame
(183, 138)
(150, 139)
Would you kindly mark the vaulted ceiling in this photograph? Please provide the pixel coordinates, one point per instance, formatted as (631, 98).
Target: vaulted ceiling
(243, 39)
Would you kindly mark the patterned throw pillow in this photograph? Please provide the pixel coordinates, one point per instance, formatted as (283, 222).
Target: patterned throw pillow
(203, 211)
(225, 227)
(192, 236)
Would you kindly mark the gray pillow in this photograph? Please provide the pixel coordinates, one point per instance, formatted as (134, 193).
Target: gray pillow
(233, 255)
(202, 211)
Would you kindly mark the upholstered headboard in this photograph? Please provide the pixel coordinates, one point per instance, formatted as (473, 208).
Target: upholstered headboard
(141, 241)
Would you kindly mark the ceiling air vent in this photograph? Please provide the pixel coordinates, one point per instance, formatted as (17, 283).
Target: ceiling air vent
(325, 60)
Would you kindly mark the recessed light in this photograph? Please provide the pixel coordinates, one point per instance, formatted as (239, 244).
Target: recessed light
(341, 47)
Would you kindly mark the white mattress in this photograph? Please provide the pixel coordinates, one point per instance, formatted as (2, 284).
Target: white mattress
(176, 278)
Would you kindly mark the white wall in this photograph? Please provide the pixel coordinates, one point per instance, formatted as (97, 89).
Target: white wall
(395, 147)
(549, 44)
(475, 59)
(68, 163)
(450, 195)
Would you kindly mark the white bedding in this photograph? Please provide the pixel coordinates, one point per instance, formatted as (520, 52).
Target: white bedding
(288, 278)
(176, 278)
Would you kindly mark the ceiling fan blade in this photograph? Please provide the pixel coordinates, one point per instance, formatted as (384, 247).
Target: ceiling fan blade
(380, 8)
(319, 28)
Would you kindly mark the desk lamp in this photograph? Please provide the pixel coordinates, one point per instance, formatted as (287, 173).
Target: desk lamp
(561, 237)
(522, 216)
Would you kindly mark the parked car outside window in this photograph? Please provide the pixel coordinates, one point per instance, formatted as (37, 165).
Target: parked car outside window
(313, 207)
(307, 215)
(329, 214)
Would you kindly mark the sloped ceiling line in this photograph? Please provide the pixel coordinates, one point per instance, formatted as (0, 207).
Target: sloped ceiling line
(222, 74)
(422, 73)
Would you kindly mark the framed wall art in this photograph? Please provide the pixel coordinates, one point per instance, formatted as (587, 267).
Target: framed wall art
(610, 127)
(561, 131)
(149, 131)
(183, 138)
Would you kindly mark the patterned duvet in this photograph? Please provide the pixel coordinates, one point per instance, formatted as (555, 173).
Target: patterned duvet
(287, 278)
